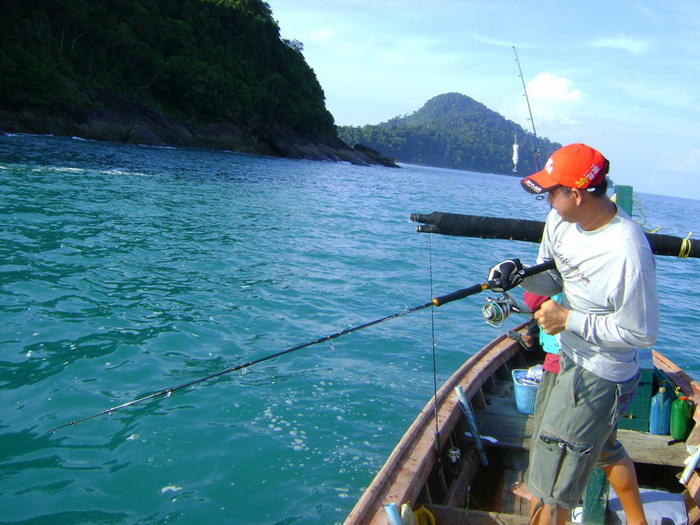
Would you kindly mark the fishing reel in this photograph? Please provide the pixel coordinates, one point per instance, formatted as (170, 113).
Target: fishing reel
(497, 310)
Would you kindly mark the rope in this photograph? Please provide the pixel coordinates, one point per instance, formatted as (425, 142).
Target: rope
(641, 216)
(684, 252)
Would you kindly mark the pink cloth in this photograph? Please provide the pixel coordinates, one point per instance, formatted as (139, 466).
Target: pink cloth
(551, 363)
(533, 301)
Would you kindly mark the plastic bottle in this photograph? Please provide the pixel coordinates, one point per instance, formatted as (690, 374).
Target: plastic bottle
(680, 416)
(660, 416)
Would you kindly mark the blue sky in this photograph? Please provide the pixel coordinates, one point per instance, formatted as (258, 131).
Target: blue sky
(622, 76)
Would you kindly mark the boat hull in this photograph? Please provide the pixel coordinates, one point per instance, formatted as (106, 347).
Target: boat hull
(420, 470)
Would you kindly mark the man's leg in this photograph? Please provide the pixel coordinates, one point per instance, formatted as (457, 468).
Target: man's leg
(542, 514)
(567, 441)
(618, 466)
(623, 479)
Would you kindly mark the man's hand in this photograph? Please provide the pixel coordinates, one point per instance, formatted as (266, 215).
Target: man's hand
(551, 317)
(505, 275)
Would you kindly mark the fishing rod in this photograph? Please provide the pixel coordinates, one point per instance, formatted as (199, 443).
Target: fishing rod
(537, 153)
(437, 301)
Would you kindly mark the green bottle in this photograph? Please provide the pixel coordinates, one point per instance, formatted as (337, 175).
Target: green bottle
(680, 416)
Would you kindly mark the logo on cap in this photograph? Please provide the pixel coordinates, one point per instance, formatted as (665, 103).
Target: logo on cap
(574, 166)
(549, 167)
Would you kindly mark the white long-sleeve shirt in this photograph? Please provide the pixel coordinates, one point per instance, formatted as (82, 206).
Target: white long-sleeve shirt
(608, 278)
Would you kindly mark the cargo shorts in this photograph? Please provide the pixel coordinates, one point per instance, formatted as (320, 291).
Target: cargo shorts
(576, 414)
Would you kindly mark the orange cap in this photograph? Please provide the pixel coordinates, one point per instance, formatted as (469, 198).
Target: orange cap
(573, 166)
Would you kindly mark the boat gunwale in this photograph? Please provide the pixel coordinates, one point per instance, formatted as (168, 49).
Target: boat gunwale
(472, 375)
(404, 473)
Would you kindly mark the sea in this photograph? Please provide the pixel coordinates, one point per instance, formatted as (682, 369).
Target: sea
(127, 270)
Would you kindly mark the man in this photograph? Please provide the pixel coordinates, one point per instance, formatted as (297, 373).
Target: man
(609, 310)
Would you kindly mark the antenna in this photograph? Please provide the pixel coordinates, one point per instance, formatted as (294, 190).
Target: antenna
(537, 153)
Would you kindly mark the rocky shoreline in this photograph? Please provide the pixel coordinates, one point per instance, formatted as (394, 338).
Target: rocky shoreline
(119, 120)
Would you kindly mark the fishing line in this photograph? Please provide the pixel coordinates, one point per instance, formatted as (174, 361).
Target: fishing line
(432, 329)
(436, 434)
(437, 301)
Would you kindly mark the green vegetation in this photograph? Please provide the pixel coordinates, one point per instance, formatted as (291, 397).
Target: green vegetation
(195, 60)
(452, 131)
(203, 62)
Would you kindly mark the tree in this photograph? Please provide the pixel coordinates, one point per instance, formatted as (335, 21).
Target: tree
(197, 60)
(450, 131)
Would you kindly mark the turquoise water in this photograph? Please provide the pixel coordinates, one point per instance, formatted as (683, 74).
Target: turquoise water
(125, 270)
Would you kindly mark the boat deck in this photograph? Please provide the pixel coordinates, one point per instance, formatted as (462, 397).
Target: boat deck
(499, 418)
(459, 486)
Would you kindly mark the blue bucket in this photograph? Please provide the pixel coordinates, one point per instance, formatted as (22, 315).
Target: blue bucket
(524, 392)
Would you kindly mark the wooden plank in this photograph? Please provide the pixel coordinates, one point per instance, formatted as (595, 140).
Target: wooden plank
(692, 493)
(692, 507)
(491, 384)
(502, 421)
(678, 376)
(402, 477)
(455, 516)
(509, 502)
(457, 493)
(652, 448)
(479, 399)
(595, 498)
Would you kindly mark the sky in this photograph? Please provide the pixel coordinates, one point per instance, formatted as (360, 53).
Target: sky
(622, 76)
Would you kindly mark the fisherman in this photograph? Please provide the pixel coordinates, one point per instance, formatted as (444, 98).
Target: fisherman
(609, 310)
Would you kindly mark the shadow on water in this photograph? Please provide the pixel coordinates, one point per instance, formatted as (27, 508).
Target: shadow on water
(14, 445)
(49, 358)
(77, 517)
(125, 271)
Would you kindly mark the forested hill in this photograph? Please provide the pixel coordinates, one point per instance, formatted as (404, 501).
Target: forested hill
(452, 131)
(185, 72)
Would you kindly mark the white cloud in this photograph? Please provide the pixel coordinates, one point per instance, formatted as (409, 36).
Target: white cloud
(554, 99)
(492, 41)
(547, 86)
(322, 35)
(636, 46)
(687, 161)
(650, 14)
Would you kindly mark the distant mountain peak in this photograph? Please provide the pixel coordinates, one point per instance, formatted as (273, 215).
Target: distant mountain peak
(452, 130)
(452, 106)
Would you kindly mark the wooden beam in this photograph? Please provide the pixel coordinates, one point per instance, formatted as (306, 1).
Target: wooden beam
(456, 516)
(457, 494)
(509, 502)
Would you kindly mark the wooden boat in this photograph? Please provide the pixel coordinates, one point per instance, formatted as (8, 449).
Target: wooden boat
(459, 488)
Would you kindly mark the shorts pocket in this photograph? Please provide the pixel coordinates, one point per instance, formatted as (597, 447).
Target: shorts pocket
(624, 394)
(561, 469)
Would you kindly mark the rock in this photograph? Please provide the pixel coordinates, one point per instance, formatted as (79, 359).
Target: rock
(374, 154)
(117, 119)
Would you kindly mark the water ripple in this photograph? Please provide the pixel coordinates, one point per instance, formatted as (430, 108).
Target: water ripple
(126, 270)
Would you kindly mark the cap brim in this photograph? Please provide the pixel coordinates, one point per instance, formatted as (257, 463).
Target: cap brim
(540, 182)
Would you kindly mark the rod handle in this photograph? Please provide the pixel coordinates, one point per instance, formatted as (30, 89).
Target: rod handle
(478, 288)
